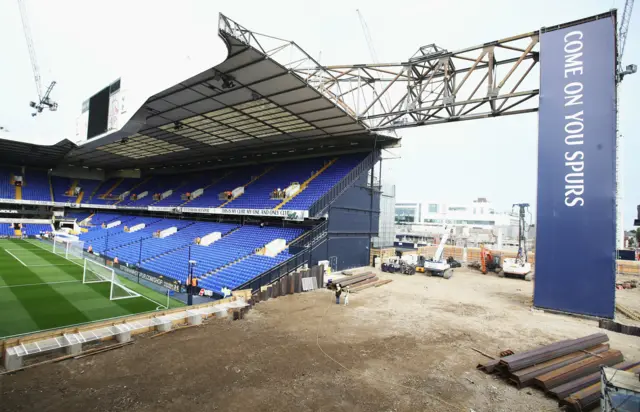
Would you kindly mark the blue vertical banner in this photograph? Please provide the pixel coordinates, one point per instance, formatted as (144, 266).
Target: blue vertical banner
(575, 230)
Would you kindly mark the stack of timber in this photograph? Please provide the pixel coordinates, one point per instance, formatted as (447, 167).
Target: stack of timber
(358, 283)
(568, 370)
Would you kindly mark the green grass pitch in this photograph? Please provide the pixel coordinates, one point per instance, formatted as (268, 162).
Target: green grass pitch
(40, 290)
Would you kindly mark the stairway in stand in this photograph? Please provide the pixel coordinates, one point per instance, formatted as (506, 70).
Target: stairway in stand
(306, 183)
(267, 170)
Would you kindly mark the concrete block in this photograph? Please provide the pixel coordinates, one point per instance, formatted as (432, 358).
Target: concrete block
(123, 336)
(221, 313)
(12, 362)
(73, 349)
(195, 319)
(164, 327)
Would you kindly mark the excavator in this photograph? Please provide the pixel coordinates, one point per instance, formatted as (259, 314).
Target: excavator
(488, 262)
(519, 266)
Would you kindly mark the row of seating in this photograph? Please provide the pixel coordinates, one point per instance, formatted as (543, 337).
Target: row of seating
(33, 229)
(228, 262)
(6, 229)
(30, 229)
(119, 237)
(113, 187)
(154, 185)
(150, 247)
(36, 185)
(259, 182)
(62, 185)
(238, 244)
(258, 194)
(7, 190)
(79, 216)
(241, 272)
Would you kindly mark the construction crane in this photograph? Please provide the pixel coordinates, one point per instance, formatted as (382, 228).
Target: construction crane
(44, 100)
(622, 41)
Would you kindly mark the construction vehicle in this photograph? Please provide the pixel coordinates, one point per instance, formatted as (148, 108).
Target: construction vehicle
(437, 266)
(399, 265)
(519, 266)
(488, 262)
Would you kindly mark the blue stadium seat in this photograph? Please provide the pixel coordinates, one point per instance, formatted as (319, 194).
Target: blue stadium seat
(36, 185)
(32, 229)
(324, 182)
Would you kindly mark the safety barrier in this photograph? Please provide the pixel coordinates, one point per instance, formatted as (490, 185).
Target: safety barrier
(72, 338)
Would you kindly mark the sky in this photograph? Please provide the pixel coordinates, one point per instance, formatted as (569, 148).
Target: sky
(152, 44)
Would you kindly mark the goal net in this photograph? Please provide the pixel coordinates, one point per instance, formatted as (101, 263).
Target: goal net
(59, 247)
(95, 272)
(69, 249)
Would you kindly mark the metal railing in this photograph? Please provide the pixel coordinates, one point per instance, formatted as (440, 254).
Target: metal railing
(308, 241)
(283, 269)
(321, 205)
(311, 236)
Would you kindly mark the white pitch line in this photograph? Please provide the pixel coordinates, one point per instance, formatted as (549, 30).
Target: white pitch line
(15, 250)
(16, 258)
(53, 264)
(38, 284)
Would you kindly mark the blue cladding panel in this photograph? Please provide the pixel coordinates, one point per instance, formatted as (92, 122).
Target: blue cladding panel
(575, 266)
(350, 251)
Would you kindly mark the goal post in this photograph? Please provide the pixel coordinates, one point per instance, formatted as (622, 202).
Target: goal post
(95, 272)
(75, 250)
(60, 247)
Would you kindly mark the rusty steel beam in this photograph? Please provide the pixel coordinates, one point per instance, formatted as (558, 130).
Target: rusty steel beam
(555, 350)
(588, 398)
(526, 376)
(578, 369)
(564, 390)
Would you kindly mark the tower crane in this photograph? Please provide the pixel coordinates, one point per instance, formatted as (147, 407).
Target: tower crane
(44, 100)
(622, 40)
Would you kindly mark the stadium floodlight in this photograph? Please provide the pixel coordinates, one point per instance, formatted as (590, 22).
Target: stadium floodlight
(95, 272)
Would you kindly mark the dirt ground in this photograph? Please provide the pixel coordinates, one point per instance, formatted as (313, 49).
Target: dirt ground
(405, 346)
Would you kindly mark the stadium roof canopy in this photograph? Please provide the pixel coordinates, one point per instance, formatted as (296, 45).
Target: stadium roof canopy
(247, 105)
(28, 154)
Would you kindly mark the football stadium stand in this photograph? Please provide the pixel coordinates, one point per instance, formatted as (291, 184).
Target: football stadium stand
(245, 168)
(6, 229)
(236, 245)
(258, 194)
(316, 176)
(243, 271)
(64, 188)
(79, 216)
(231, 180)
(112, 189)
(321, 184)
(35, 185)
(32, 229)
(143, 194)
(201, 180)
(7, 190)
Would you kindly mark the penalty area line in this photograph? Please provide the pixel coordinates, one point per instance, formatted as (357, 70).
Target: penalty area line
(37, 284)
(16, 258)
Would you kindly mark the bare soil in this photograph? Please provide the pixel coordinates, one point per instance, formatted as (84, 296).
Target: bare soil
(405, 346)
